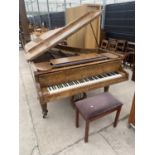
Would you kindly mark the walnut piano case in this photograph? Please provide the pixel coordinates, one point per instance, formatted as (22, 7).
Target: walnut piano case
(63, 71)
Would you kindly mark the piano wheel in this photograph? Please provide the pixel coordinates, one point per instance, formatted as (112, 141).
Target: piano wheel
(45, 113)
(44, 110)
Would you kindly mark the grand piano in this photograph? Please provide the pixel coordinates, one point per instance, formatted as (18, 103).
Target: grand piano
(62, 71)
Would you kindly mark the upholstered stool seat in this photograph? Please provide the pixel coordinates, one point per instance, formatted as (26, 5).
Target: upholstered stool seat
(95, 107)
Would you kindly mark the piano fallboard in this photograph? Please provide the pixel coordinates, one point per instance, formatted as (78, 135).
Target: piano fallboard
(75, 73)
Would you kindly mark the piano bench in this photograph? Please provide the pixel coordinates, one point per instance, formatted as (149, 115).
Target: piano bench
(96, 107)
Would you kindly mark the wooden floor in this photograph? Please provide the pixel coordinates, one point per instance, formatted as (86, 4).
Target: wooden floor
(57, 134)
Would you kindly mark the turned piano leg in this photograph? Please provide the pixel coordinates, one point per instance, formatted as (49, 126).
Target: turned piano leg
(106, 88)
(44, 109)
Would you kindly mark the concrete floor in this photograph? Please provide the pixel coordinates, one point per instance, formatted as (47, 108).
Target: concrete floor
(57, 135)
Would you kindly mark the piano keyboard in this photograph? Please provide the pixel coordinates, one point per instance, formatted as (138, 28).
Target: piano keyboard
(83, 82)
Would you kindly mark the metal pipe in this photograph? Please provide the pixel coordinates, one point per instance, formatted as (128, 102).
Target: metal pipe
(65, 7)
(103, 14)
(32, 12)
(27, 8)
(49, 20)
(39, 12)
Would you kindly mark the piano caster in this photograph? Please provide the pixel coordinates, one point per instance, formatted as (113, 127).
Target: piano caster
(45, 113)
(44, 110)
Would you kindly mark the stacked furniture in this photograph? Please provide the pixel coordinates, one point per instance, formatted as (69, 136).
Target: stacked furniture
(123, 47)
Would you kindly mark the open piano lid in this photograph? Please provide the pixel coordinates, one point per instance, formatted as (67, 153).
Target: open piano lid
(51, 38)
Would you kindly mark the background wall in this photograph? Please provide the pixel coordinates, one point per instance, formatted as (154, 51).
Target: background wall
(57, 19)
(120, 21)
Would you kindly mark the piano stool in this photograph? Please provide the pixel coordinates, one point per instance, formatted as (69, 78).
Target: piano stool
(96, 107)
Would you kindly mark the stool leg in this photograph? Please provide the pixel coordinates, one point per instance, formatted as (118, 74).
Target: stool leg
(86, 131)
(72, 102)
(117, 116)
(77, 118)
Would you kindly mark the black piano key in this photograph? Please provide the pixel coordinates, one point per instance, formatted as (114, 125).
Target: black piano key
(112, 73)
(116, 72)
(100, 76)
(81, 81)
(53, 87)
(105, 75)
(65, 85)
(93, 78)
(89, 78)
(72, 83)
(75, 82)
(86, 80)
(69, 83)
(96, 77)
(108, 74)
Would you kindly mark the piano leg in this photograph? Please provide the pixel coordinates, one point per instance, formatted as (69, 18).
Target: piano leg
(106, 88)
(44, 109)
